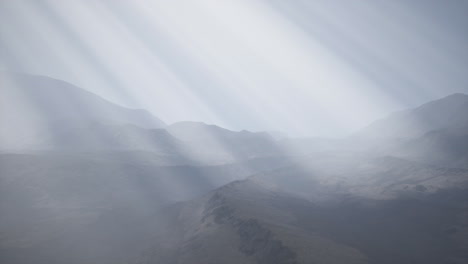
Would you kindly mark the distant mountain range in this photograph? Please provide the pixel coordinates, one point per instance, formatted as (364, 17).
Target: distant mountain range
(83, 180)
(43, 114)
(33, 107)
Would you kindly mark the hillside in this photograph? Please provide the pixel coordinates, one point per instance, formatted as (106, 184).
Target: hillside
(396, 212)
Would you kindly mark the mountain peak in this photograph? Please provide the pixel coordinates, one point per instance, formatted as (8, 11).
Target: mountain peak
(448, 112)
(449, 101)
(32, 106)
(457, 95)
(194, 124)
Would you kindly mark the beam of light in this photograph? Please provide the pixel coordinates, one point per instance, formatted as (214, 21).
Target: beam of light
(233, 63)
(303, 67)
(191, 55)
(239, 64)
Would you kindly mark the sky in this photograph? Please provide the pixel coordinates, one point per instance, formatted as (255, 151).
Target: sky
(305, 68)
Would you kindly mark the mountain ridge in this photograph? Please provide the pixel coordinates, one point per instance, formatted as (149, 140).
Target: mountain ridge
(33, 105)
(434, 115)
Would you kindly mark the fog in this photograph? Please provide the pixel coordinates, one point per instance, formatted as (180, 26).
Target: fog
(257, 65)
(234, 132)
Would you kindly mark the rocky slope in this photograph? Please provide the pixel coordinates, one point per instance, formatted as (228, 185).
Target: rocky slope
(395, 212)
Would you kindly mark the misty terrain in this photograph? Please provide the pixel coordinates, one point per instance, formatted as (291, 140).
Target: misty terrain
(84, 180)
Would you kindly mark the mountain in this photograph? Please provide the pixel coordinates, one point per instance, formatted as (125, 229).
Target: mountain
(38, 113)
(386, 210)
(98, 137)
(448, 112)
(100, 183)
(434, 133)
(33, 106)
(444, 147)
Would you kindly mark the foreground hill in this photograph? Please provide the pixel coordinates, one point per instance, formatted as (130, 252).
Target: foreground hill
(385, 211)
(95, 207)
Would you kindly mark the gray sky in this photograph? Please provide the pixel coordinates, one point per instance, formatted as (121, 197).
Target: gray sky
(323, 67)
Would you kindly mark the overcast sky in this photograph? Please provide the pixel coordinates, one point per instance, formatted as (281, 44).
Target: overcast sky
(316, 68)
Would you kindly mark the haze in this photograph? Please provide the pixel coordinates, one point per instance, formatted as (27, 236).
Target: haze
(317, 68)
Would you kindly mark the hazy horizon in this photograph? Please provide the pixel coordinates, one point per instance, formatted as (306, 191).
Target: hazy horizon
(322, 68)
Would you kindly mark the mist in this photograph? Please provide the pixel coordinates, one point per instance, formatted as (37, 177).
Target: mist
(233, 132)
(256, 65)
